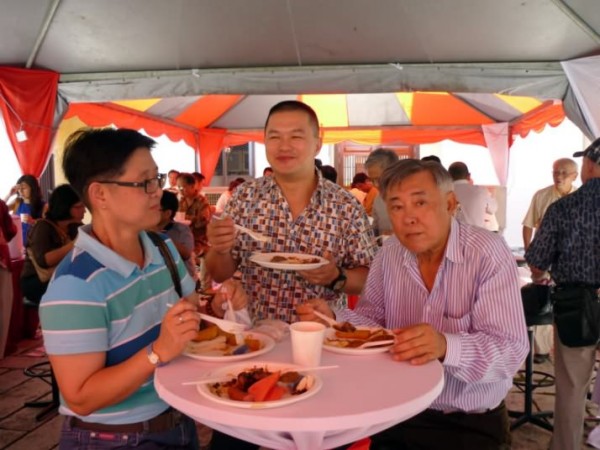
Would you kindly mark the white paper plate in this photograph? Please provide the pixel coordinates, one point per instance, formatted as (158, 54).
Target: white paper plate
(218, 356)
(234, 370)
(264, 259)
(330, 334)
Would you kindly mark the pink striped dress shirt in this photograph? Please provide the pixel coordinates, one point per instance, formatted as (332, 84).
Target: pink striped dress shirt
(475, 302)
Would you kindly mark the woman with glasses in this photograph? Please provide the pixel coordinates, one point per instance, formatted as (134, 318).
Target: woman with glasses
(111, 314)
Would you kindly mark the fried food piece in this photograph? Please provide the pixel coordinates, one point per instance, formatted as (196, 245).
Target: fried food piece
(252, 344)
(206, 334)
(356, 334)
(345, 326)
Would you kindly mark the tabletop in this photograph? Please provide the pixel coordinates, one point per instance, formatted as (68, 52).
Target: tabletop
(365, 395)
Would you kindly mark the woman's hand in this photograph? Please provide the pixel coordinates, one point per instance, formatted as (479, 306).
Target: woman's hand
(178, 327)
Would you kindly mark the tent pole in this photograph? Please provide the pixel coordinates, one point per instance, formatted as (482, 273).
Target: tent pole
(42, 34)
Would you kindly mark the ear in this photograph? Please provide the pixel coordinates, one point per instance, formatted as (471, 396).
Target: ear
(319, 146)
(97, 194)
(451, 202)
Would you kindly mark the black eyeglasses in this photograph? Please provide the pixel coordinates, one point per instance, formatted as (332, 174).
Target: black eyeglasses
(151, 185)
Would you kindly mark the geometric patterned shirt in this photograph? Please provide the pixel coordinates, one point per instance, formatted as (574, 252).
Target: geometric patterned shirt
(568, 240)
(332, 221)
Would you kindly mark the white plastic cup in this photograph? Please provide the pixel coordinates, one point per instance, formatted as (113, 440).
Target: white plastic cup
(307, 343)
(24, 218)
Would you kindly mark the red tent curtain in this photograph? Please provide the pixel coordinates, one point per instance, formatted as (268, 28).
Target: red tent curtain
(27, 103)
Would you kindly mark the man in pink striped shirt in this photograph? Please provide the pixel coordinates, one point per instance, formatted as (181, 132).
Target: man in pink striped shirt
(449, 291)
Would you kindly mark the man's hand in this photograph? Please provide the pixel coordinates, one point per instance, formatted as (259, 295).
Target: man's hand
(418, 344)
(323, 275)
(306, 310)
(221, 235)
(233, 290)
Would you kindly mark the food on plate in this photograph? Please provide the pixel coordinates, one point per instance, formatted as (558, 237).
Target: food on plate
(358, 337)
(206, 334)
(294, 260)
(345, 326)
(214, 341)
(258, 384)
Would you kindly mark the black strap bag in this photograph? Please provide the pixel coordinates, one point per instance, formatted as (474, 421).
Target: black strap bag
(169, 261)
(536, 299)
(577, 314)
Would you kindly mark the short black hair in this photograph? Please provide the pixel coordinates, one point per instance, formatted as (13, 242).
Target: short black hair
(61, 201)
(96, 153)
(329, 173)
(187, 178)
(459, 171)
(169, 202)
(431, 158)
(295, 105)
(360, 177)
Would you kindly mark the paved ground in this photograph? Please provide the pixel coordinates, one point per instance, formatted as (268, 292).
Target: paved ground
(19, 429)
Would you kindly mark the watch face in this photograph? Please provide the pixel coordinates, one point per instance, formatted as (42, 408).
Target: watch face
(153, 357)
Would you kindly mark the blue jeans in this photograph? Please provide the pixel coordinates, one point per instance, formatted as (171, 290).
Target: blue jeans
(183, 436)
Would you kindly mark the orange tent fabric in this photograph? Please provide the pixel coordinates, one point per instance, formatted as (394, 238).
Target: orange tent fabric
(211, 122)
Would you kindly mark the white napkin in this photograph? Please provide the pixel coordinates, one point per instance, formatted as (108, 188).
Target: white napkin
(276, 329)
(239, 316)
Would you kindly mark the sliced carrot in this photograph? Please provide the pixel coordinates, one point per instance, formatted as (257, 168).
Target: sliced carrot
(275, 393)
(235, 393)
(261, 388)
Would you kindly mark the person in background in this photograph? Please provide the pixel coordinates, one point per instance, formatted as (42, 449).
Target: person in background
(29, 204)
(8, 230)
(50, 239)
(225, 196)
(172, 175)
(111, 315)
(377, 161)
(564, 173)
(197, 210)
(180, 234)
(199, 179)
(449, 291)
(567, 243)
(432, 158)
(361, 184)
(355, 187)
(475, 202)
(301, 212)
(329, 173)
(267, 172)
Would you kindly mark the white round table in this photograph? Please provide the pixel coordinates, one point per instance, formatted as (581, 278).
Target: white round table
(365, 395)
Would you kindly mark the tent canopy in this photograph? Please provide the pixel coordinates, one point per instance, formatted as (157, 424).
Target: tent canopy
(184, 49)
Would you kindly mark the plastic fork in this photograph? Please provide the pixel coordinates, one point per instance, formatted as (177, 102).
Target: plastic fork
(253, 234)
(376, 343)
(225, 325)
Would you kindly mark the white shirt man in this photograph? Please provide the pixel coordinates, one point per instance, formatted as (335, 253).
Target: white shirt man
(475, 202)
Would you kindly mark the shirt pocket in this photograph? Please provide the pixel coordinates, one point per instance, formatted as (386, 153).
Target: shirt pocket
(455, 325)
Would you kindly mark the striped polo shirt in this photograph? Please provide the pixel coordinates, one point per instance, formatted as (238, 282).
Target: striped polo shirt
(100, 302)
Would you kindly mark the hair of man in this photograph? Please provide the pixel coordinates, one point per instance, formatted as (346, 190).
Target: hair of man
(458, 171)
(169, 202)
(99, 153)
(295, 105)
(382, 157)
(398, 172)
